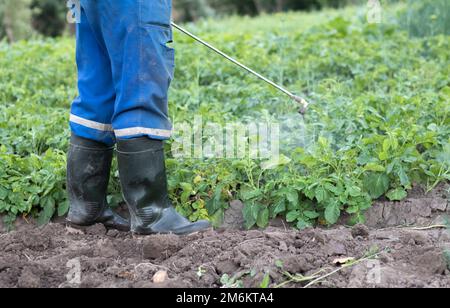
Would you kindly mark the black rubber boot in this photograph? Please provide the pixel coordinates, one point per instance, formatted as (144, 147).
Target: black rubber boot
(88, 168)
(144, 185)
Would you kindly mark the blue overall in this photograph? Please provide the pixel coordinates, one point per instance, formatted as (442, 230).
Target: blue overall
(124, 70)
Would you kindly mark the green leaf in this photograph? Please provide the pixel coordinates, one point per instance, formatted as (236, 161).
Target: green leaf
(217, 218)
(387, 145)
(376, 184)
(354, 191)
(3, 193)
(320, 194)
(301, 224)
(311, 214)
(251, 211)
(263, 218)
(47, 213)
(374, 167)
(212, 206)
(275, 162)
(358, 218)
(397, 194)
(332, 213)
(249, 217)
(309, 193)
(218, 193)
(292, 216)
(337, 190)
(352, 209)
(404, 179)
(279, 207)
(292, 197)
(265, 282)
(249, 193)
(63, 208)
(391, 166)
(186, 186)
(383, 156)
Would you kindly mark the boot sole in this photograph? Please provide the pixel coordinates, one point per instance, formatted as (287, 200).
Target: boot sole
(144, 233)
(85, 226)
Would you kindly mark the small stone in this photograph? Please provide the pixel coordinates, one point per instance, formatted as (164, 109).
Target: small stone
(72, 231)
(283, 246)
(160, 277)
(112, 233)
(439, 204)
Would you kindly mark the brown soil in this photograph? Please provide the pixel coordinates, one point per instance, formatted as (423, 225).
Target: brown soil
(404, 256)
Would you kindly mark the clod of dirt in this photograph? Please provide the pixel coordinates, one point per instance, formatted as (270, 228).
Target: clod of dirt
(317, 236)
(418, 209)
(360, 230)
(28, 279)
(233, 218)
(161, 246)
(35, 241)
(226, 267)
(335, 248)
(112, 233)
(97, 229)
(432, 262)
(105, 248)
(254, 281)
(296, 264)
(415, 238)
(145, 271)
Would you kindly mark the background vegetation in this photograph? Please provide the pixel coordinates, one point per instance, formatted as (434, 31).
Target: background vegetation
(22, 19)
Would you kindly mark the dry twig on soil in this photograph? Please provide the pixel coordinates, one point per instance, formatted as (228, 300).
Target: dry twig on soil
(428, 227)
(316, 277)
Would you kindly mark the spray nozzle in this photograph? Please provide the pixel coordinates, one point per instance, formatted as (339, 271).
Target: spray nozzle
(304, 104)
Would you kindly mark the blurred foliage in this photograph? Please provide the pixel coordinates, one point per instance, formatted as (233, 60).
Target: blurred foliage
(20, 18)
(49, 17)
(189, 10)
(423, 18)
(15, 19)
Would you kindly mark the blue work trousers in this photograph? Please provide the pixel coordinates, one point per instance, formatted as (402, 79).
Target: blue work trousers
(124, 70)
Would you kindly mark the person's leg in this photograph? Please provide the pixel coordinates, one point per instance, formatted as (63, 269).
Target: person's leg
(91, 145)
(136, 34)
(92, 111)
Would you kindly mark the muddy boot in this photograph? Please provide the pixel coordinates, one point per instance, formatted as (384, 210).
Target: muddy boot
(88, 168)
(144, 185)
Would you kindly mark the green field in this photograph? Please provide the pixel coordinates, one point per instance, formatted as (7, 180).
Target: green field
(378, 123)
